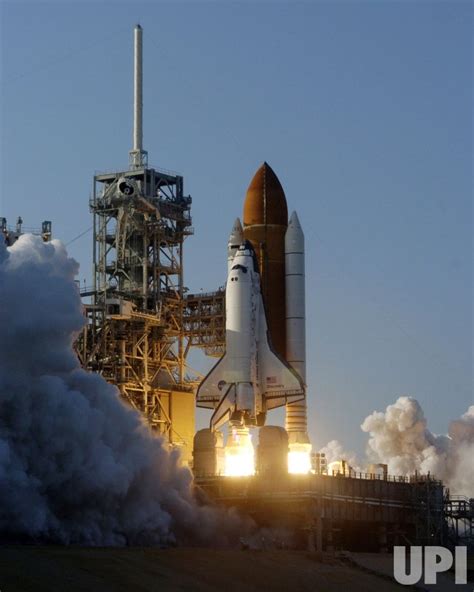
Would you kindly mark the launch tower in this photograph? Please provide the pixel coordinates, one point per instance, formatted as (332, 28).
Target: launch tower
(134, 336)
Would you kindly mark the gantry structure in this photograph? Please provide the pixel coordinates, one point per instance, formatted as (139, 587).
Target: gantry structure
(204, 321)
(134, 336)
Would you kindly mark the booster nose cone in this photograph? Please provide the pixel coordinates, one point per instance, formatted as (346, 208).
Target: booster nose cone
(294, 221)
(294, 238)
(265, 202)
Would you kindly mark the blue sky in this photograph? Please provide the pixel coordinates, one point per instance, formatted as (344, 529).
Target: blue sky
(363, 109)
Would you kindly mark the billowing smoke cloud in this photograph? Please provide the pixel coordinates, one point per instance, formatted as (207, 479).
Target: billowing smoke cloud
(334, 451)
(400, 438)
(76, 464)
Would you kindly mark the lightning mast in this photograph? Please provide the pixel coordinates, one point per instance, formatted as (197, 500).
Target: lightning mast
(138, 156)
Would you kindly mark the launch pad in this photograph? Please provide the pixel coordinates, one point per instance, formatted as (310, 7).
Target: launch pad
(363, 512)
(141, 324)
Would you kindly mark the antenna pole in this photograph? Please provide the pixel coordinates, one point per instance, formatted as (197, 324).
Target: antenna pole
(138, 156)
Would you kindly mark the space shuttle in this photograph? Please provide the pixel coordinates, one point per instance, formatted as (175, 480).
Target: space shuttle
(251, 378)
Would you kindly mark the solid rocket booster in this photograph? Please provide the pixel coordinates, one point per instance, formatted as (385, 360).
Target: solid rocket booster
(296, 421)
(236, 238)
(265, 222)
(250, 379)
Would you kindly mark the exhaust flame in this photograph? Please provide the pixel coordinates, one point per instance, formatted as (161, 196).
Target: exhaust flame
(299, 459)
(239, 453)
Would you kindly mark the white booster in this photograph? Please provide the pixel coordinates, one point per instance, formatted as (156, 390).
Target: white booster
(236, 238)
(296, 420)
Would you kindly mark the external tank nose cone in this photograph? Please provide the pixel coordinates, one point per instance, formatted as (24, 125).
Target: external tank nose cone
(265, 202)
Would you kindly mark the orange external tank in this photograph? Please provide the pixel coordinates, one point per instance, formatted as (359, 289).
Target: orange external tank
(265, 222)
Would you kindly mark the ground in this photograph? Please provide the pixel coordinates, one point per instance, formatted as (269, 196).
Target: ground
(79, 569)
(73, 569)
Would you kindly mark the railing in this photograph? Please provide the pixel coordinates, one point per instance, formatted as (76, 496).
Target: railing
(202, 295)
(460, 506)
(334, 474)
(370, 476)
(127, 169)
(24, 230)
(462, 498)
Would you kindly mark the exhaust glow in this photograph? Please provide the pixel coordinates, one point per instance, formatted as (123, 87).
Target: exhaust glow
(299, 459)
(239, 454)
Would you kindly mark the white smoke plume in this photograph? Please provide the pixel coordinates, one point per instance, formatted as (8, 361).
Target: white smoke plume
(400, 438)
(76, 464)
(334, 451)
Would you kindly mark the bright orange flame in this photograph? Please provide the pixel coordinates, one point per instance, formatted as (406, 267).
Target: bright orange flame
(239, 454)
(299, 458)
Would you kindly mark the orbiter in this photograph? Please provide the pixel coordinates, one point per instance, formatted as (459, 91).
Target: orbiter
(250, 379)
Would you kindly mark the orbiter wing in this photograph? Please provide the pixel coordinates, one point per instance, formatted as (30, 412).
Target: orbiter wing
(279, 382)
(213, 387)
(216, 392)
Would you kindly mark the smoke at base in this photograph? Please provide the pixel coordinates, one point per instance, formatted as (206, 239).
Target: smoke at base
(76, 464)
(400, 438)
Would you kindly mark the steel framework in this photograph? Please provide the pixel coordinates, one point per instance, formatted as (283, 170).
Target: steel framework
(459, 511)
(134, 334)
(428, 503)
(204, 321)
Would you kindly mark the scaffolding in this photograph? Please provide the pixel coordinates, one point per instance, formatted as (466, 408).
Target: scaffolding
(459, 512)
(204, 321)
(134, 335)
(428, 505)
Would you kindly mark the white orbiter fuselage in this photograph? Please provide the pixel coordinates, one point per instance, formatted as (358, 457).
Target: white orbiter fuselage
(250, 379)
